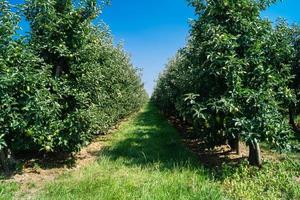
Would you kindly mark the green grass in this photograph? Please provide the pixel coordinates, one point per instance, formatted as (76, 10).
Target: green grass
(146, 160)
(276, 180)
(7, 190)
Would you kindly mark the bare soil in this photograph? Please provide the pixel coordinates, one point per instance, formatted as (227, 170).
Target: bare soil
(215, 158)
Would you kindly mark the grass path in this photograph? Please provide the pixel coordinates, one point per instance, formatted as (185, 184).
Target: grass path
(146, 160)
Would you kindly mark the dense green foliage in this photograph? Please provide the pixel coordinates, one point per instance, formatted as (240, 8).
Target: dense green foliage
(64, 82)
(296, 68)
(232, 80)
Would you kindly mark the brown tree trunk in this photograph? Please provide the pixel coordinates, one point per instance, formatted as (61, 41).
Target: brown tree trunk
(255, 154)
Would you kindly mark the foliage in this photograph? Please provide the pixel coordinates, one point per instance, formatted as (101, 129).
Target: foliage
(232, 78)
(23, 85)
(65, 82)
(296, 69)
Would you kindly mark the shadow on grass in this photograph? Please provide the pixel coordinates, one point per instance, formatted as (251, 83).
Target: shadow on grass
(152, 141)
(155, 142)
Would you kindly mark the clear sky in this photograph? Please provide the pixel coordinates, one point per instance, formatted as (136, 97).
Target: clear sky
(153, 30)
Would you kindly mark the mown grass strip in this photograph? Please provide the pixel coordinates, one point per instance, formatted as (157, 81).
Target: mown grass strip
(144, 160)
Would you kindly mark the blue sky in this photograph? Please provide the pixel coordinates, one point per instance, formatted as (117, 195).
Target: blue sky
(153, 30)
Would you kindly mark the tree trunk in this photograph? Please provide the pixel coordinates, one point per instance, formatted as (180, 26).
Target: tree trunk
(58, 71)
(238, 147)
(6, 160)
(255, 154)
(291, 118)
(235, 145)
(3, 161)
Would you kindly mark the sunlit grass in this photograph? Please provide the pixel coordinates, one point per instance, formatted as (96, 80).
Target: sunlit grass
(276, 180)
(144, 160)
(7, 190)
